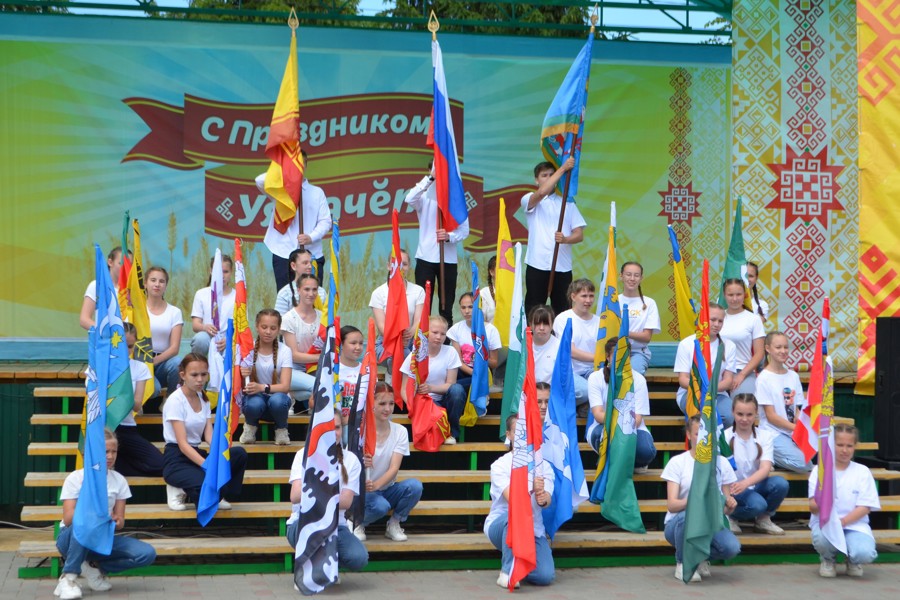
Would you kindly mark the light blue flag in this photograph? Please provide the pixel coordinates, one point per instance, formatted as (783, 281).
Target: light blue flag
(480, 387)
(561, 133)
(218, 462)
(108, 361)
(560, 446)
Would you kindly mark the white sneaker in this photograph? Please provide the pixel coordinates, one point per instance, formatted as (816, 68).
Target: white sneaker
(503, 581)
(826, 569)
(764, 524)
(68, 588)
(703, 569)
(176, 498)
(679, 574)
(394, 532)
(224, 504)
(97, 579)
(450, 441)
(248, 435)
(735, 526)
(282, 438)
(360, 532)
(854, 570)
(642, 470)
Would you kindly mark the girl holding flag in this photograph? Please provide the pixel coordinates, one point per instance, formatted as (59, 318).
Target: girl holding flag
(855, 497)
(584, 335)
(461, 339)
(202, 310)
(643, 317)
(300, 262)
(304, 335)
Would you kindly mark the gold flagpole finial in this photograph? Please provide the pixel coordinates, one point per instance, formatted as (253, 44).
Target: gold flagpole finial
(433, 25)
(595, 17)
(293, 21)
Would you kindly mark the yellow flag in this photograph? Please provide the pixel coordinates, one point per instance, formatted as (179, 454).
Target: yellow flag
(684, 304)
(504, 276)
(138, 315)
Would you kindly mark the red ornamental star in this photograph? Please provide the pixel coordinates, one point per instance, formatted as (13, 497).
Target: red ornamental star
(806, 187)
(679, 203)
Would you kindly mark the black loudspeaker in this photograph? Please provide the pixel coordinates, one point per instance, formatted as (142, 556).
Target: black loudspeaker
(887, 388)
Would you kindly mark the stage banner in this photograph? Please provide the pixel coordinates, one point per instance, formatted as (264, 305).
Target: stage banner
(169, 119)
(794, 165)
(879, 177)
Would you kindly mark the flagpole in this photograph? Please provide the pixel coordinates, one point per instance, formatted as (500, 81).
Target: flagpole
(565, 196)
(433, 26)
(294, 23)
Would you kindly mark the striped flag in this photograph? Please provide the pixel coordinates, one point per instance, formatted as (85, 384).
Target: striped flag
(518, 351)
(476, 403)
(448, 184)
(826, 491)
(806, 433)
(121, 282)
(563, 127)
(610, 311)
(684, 303)
(284, 179)
(504, 277)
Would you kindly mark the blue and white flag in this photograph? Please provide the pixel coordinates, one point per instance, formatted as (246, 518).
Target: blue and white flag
(561, 441)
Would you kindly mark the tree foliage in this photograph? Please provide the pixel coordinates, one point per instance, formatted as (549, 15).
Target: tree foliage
(19, 8)
(283, 7)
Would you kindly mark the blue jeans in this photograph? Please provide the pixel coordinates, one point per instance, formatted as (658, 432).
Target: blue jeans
(787, 455)
(764, 499)
(644, 450)
(200, 344)
(302, 384)
(748, 386)
(267, 407)
(166, 374)
(640, 359)
(454, 400)
(860, 546)
(544, 571)
(127, 553)
(723, 406)
(400, 497)
(581, 389)
(724, 545)
(352, 555)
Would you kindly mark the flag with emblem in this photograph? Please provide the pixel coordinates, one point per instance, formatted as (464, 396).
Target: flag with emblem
(684, 303)
(504, 277)
(476, 402)
(610, 311)
(516, 359)
(243, 338)
(136, 300)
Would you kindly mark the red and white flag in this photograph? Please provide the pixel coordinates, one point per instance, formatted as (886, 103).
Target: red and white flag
(806, 433)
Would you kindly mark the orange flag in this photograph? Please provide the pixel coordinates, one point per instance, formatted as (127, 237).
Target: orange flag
(243, 338)
(396, 313)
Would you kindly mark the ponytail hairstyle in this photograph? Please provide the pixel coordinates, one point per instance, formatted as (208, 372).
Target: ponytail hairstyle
(225, 259)
(266, 312)
(183, 365)
(769, 337)
(110, 436)
(580, 285)
(610, 346)
(689, 424)
(129, 328)
(303, 277)
(746, 399)
(294, 276)
(541, 314)
(339, 452)
(847, 428)
(114, 253)
(735, 281)
(759, 309)
(467, 295)
(542, 385)
(640, 292)
(492, 265)
(156, 269)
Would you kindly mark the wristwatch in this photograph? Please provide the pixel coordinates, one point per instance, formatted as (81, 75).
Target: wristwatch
(268, 389)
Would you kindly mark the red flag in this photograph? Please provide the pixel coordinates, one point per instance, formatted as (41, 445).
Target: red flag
(371, 366)
(430, 426)
(806, 432)
(526, 460)
(396, 313)
(243, 338)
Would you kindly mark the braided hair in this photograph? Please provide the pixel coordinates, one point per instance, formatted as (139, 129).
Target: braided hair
(610, 346)
(755, 293)
(746, 399)
(492, 265)
(640, 292)
(339, 452)
(294, 276)
(266, 312)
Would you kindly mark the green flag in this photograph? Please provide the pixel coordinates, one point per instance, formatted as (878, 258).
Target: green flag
(736, 261)
(518, 352)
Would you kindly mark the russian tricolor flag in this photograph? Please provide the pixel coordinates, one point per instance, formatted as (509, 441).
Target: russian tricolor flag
(448, 181)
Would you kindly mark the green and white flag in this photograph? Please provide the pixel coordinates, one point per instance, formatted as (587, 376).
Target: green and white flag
(518, 352)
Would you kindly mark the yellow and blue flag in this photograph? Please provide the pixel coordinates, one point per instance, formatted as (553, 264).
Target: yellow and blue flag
(563, 128)
(684, 303)
(610, 311)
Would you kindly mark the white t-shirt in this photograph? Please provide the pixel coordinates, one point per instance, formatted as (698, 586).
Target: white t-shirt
(116, 488)
(680, 469)
(854, 487)
(488, 304)
(351, 464)
(348, 377)
(741, 329)
(202, 307)
(501, 471)
(684, 360)
(396, 443)
(462, 335)
(423, 198)
(770, 388)
(307, 335)
(584, 337)
(283, 300)
(438, 366)
(746, 451)
(264, 364)
(545, 359)
(177, 408)
(598, 388)
(640, 318)
(316, 221)
(161, 326)
(763, 304)
(415, 296)
(542, 221)
(139, 372)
